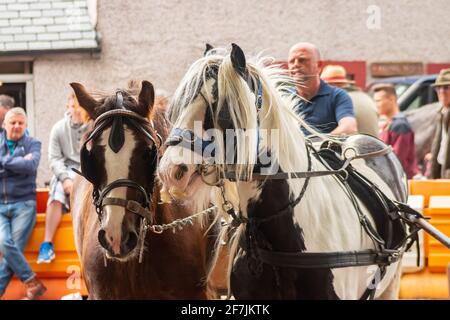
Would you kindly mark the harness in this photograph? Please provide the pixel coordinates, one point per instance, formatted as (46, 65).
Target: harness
(383, 256)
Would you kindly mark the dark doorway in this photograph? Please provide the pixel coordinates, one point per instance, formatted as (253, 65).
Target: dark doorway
(17, 91)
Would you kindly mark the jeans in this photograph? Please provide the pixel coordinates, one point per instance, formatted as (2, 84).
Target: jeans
(16, 224)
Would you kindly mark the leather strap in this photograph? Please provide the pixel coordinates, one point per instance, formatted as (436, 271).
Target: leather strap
(231, 175)
(123, 183)
(341, 259)
(131, 205)
(120, 112)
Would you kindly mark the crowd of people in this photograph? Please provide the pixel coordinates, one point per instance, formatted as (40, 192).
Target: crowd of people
(330, 103)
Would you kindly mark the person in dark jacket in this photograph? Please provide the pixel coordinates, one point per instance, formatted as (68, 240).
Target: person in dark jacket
(395, 129)
(19, 160)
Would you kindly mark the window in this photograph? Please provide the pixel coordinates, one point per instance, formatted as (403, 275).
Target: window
(16, 80)
(419, 99)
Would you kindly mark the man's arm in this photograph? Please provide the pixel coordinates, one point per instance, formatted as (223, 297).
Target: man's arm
(346, 125)
(27, 164)
(344, 113)
(56, 157)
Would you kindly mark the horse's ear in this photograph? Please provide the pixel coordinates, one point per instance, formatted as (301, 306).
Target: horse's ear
(84, 99)
(208, 48)
(238, 60)
(146, 96)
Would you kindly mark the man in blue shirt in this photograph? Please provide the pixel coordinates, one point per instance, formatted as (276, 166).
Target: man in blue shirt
(327, 109)
(19, 160)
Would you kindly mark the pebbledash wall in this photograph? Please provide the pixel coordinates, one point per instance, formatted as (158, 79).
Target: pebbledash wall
(158, 39)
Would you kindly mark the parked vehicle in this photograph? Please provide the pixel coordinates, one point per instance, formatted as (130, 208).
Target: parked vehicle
(413, 92)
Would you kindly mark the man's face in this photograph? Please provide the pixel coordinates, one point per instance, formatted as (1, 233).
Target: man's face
(15, 126)
(443, 93)
(384, 102)
(303, 64)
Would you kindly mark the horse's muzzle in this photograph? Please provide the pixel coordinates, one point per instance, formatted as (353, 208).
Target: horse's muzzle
(128, 243)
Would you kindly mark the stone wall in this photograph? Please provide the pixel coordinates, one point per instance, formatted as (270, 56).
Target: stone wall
(158, 39)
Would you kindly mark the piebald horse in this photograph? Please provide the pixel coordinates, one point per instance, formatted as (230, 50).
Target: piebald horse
(297, 232)
(117, 198)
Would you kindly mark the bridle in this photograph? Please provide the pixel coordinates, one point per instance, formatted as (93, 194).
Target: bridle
(115, 119)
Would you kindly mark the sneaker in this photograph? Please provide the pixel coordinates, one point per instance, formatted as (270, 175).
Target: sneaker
(46, 253)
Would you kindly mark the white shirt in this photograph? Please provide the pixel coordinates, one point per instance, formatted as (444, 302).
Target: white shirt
(442, 149)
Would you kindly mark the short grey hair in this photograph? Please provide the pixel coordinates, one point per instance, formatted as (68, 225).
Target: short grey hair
(6, 101)
(16, 111)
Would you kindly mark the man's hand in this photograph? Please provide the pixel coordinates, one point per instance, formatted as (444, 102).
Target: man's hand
(67, 186)
(428, 156)
(28, 157)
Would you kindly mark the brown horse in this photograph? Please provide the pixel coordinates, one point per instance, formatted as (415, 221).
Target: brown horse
(117, 198)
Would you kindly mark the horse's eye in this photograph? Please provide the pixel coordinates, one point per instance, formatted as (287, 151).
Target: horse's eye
(148, 154)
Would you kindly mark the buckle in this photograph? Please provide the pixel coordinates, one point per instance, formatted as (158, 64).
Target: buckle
(133, 206)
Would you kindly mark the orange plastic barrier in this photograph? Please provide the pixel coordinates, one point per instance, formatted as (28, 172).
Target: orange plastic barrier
(438, 256)
(63, 275)
(424, 285)
(431, 283)
(427, 188)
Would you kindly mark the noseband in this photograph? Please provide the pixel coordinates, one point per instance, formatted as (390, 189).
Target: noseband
(187, 138)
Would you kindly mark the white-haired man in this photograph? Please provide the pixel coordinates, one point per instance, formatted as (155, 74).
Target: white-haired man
(19, 160)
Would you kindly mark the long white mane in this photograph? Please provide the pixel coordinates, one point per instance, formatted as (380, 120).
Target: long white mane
(278, 122)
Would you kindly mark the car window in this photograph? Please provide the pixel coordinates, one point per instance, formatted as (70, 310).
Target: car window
(400, 88)
(419, 99)
(432, 95)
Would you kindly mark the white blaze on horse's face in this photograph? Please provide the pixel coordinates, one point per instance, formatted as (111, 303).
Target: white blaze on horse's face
(117, 167)
(177, 159)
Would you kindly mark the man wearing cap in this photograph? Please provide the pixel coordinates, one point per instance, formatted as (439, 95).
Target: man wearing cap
(327, 109)
(440, 150)
(364, 107)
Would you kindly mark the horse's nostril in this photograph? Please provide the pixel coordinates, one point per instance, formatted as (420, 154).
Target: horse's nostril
(126, 236)
(102, 238)
(131, 241)
(180, 171)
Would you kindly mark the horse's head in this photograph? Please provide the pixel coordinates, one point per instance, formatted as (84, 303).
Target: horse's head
(227, 111)
(119, 157)
(204, 107)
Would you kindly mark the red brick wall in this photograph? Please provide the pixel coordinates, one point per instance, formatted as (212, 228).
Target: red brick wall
(436, 67)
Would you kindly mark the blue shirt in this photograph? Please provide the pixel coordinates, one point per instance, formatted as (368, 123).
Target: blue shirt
(326, 108)
(11, 146)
